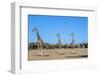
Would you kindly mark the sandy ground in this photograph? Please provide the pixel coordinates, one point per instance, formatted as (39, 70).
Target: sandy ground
(52, 54)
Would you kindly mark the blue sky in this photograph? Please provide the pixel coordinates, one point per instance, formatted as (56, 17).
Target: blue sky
(49, 26)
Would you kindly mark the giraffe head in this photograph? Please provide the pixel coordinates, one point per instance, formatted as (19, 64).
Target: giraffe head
(35, 29)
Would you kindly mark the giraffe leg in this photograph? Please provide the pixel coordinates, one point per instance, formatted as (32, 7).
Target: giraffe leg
(38, 49)
(41, 51)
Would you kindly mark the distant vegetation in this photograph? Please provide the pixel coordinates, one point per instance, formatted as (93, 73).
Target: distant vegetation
(33, 45)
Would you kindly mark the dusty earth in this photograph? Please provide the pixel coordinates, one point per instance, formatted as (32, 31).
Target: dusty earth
(51, 54)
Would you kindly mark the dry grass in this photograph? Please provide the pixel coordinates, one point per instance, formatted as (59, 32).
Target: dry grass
(52, 54)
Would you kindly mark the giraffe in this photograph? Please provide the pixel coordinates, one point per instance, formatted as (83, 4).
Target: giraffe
(39, 41)
(60, 45)
(59, 41)
(73, 40)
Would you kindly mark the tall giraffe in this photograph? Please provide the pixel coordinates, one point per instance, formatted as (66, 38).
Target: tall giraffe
(73, 40)
(39, 41)
(59, 41)
(60, 45)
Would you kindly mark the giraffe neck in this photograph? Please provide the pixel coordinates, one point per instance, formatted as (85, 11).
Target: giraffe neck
(38, 37)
